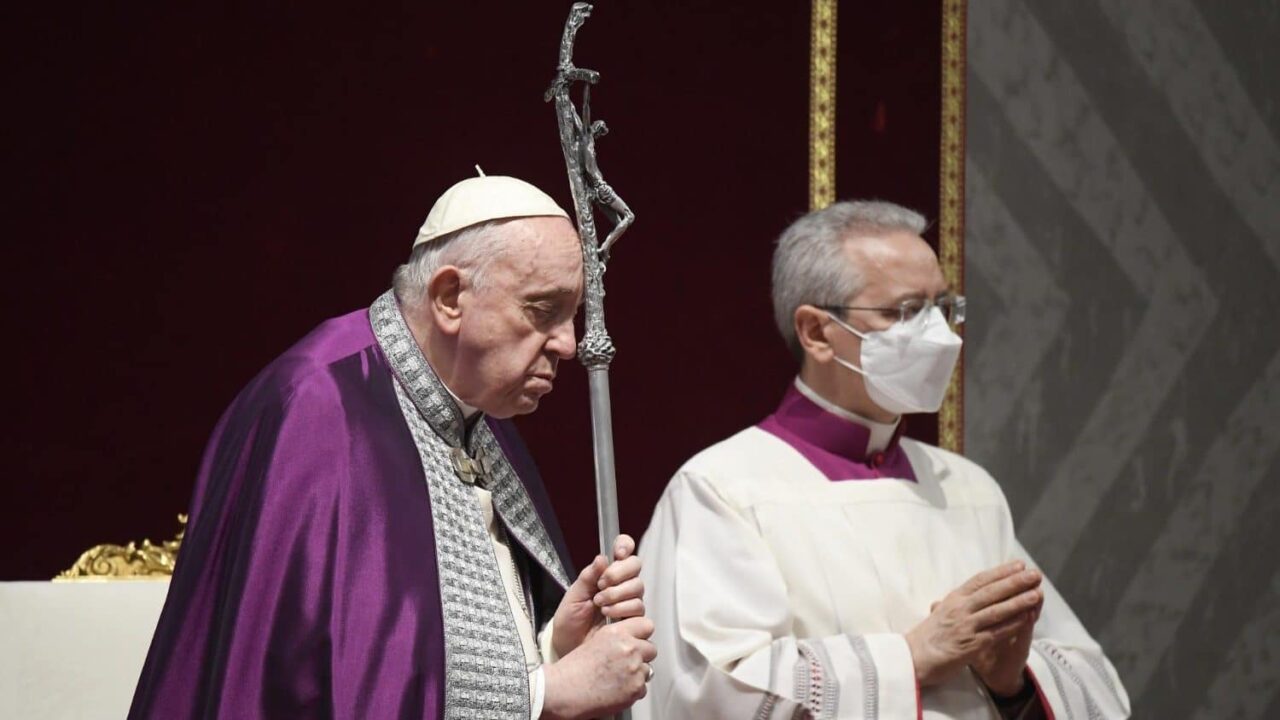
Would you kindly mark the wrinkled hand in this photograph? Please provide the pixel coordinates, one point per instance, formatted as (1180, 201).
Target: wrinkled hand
(605, 674)
(601, 591)
(1000, 667)
(989, 609)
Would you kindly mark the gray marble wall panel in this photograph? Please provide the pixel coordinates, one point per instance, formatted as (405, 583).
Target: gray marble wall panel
(1123, 345)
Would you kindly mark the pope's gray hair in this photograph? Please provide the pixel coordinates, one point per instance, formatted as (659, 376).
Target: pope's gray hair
(810, 266)
(470, 249)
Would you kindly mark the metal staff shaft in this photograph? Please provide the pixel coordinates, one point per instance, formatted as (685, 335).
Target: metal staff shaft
(602, 443)
(606, 482)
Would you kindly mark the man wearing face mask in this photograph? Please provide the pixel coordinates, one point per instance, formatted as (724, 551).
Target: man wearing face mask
(818, 564)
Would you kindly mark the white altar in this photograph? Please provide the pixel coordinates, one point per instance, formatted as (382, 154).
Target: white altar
(74, 650)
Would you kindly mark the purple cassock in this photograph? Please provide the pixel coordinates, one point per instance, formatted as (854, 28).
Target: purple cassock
(335, 565)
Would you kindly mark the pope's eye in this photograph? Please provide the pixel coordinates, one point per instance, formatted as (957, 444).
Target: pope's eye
(540, 311)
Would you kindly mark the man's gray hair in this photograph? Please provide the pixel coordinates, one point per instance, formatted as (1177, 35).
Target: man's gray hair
(810, 266)
(471, 249)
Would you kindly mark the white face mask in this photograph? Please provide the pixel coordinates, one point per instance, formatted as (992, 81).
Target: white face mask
(908, 366)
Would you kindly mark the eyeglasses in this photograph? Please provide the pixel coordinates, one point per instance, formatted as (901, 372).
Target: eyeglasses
(952, 307)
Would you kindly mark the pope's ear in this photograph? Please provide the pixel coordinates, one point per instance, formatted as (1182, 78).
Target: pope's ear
(443, 291)
(811, 330)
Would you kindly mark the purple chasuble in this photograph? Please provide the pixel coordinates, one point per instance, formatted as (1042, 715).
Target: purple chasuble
(834, 445)
(307, 583)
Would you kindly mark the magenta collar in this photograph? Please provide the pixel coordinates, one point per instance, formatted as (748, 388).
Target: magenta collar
(834, 445)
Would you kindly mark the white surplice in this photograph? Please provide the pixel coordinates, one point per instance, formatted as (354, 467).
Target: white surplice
(775, 587)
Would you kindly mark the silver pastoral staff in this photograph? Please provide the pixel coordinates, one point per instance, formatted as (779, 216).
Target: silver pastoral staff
(577, 138)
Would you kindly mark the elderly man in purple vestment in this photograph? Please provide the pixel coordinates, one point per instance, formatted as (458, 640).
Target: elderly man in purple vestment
(819, 564)
(370, 539)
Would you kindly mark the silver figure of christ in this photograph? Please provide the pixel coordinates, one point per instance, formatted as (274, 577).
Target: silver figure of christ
(578, 134)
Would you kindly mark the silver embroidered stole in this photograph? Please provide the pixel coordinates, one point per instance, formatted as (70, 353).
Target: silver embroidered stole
(485, 674)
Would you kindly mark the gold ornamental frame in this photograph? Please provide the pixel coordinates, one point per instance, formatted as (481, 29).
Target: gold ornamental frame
(822, 163)
(822, 105)
(951, 183)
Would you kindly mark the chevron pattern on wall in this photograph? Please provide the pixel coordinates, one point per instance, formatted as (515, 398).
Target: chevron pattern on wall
(1122, 371)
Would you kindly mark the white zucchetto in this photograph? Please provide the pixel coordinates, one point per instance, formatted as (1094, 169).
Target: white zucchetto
(481, 199)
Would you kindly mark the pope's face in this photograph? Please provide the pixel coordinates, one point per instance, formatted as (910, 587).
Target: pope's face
(518, 325)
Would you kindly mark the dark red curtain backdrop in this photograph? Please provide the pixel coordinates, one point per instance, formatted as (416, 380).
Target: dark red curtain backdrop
(191, 190)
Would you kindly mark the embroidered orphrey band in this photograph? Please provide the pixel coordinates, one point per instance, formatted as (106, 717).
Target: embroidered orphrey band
(485, 673)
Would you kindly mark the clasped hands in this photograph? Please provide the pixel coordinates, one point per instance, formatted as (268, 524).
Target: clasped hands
(985, 624)
(601, 668)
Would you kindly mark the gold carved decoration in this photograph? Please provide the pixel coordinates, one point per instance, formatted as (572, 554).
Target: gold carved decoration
(134, 561)
(951, 202)
(822, 105)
